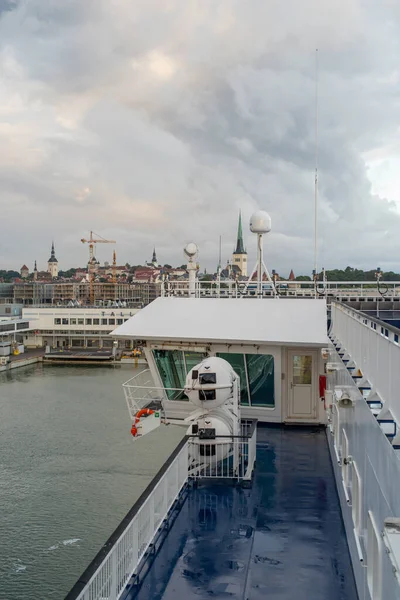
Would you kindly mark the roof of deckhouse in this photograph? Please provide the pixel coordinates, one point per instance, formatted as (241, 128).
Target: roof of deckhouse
(290, 322)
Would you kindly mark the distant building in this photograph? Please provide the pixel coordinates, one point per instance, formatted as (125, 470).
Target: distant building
(291, 276)
(52, 263)
(35, 272)
(24, 272)
(147, 274)
(239, 256)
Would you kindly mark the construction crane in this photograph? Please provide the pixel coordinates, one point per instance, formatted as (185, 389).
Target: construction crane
(92, 241)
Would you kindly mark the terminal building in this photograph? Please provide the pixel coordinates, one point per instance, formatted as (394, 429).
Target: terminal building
(74, 327)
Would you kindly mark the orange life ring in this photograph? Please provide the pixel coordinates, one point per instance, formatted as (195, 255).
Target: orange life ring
(141, 413)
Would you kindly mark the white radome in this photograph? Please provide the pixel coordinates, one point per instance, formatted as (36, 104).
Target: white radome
(260, 222)
(191, 249)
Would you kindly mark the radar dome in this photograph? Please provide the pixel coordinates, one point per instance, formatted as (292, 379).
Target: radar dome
(260, 222)
(191, 249)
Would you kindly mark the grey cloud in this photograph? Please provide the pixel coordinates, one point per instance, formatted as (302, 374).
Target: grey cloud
(154, 123)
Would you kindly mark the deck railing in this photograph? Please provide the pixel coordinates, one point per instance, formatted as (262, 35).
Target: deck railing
(140, 392)
(367, 469)
(374, 348)
(109, 573)
(299, 289)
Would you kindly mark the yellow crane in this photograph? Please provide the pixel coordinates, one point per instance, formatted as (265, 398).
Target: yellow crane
(91, 266)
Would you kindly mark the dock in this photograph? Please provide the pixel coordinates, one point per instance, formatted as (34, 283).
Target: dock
(23, 360)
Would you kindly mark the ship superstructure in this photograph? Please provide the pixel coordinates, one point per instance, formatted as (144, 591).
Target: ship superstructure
(303, 422)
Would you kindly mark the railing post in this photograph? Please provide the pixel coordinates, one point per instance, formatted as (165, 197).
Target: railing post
(114, 582)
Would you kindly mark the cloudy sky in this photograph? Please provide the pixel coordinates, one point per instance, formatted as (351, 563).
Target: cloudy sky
(153, 122)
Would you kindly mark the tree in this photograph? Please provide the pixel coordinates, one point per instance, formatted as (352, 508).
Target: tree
(303, 278)
(167, 267)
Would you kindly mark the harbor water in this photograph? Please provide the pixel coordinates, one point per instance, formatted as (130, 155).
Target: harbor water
(69, 472)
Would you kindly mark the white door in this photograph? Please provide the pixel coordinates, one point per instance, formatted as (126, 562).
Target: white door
(301, 386)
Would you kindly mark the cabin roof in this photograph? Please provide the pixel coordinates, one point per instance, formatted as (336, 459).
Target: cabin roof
(270, 321)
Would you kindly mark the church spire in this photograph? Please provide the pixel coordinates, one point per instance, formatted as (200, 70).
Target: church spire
(239, 243)
(53, 254)
(154, 259)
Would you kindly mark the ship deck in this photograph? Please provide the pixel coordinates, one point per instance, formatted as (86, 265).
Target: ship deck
(281, 539)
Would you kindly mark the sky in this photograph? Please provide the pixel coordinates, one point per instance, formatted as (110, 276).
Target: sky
(153, 122)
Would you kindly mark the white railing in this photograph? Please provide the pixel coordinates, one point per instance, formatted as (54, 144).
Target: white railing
(302, 289)
(359, 445)
(374, 348)
(139, 392)
(109, 580)
(225, 457)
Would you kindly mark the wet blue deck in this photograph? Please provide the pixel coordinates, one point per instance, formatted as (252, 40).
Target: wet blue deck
(283, 539)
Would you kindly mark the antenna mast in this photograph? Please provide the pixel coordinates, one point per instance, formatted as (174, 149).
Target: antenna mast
(316, 170)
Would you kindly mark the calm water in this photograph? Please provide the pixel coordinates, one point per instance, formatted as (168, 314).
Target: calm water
(69, 472)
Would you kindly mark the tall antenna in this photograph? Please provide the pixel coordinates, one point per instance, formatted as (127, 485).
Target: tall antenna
(316, 168)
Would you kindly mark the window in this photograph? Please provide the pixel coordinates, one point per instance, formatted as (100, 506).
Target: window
(257, 379)
(57, 321)
(88, 321)
(120, 321)
(96, 321)
(373, 558)
(80, 321)
(128, 344)
(171, 367)
(111, 321)
(107, 343)
(237, 363)
(356, 498)
(65, 321)
(192, 359)
(92, 343)
(104, 322)
(8, 310)
(302, 369)
(72, 321)
(260, 372)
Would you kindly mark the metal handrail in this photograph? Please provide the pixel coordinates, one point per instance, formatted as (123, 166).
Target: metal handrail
(113, 567)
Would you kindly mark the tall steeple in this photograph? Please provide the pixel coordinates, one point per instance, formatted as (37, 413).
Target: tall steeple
(239, 256)
(35, 272)
(239, 243)
(53, 254)
(154, 259)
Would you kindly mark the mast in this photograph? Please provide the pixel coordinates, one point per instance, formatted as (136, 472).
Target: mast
(316, 169)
